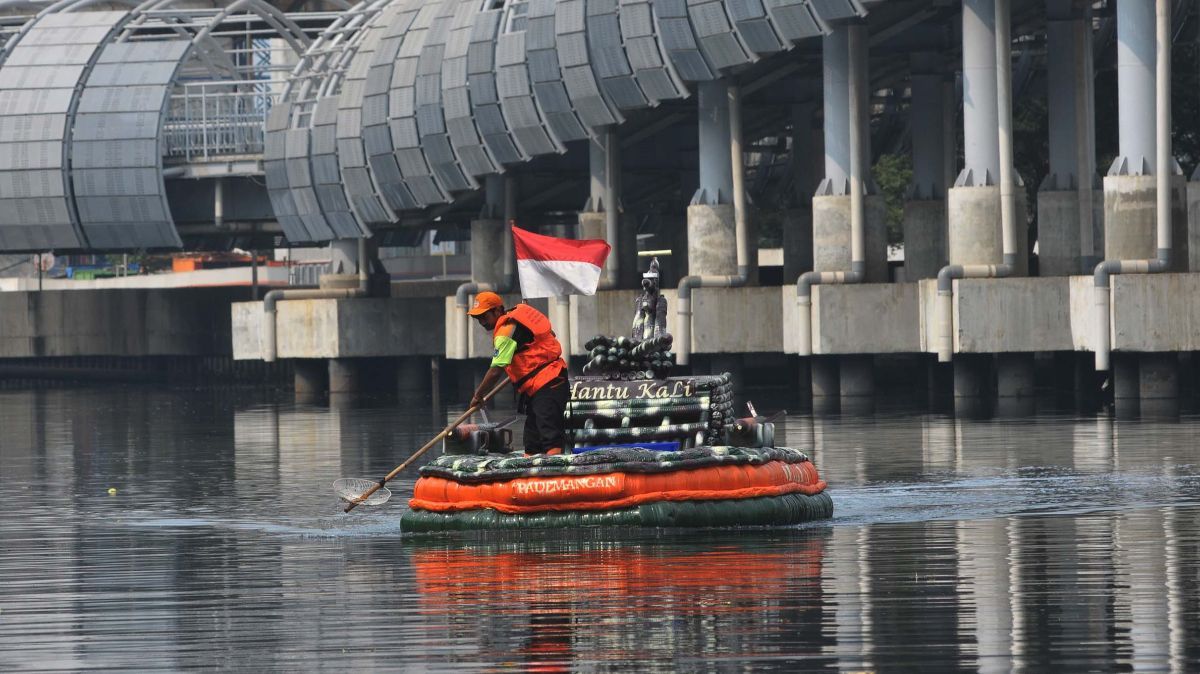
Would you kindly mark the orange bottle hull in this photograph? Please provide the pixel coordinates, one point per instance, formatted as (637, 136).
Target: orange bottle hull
(616, 490)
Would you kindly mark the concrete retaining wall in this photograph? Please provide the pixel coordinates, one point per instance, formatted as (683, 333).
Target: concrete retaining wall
(724, 320)
(735, 320)
(869, 318)
(201, 278)
(353, 328)
(168, 322)
(1159, 312)
(1014, 315)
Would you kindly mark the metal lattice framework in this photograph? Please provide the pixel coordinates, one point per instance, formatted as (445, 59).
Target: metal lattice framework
(91, 103)
(397, 105)
(440, 93)
(304, 180)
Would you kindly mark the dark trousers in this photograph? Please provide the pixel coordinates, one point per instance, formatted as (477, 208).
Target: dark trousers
(545, 427)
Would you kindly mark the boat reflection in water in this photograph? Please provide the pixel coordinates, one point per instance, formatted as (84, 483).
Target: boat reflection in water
(565, 598)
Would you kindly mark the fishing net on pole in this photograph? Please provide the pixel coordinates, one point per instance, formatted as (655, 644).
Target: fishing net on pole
(351, 489)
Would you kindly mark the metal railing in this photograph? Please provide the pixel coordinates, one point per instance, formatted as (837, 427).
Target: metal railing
(211, 120)
(306, 273)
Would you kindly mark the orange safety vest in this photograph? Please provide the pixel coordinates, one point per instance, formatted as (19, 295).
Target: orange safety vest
(544, 348)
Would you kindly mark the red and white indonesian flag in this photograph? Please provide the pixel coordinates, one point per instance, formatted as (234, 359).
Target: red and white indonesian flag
(553, 267)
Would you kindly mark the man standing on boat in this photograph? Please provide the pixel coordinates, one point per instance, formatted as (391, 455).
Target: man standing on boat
(528, 353)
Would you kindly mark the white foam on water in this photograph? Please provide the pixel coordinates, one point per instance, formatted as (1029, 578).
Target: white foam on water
(1042, 492)
(359, 524)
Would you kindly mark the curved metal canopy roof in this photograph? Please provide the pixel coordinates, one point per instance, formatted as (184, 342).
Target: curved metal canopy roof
(84, 101)
(435, 95)
(397, 105)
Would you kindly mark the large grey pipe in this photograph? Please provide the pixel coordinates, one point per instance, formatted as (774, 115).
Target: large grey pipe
(272, 299)
(858, 264)
(561, 319)
(683, 346)
(1163, 160)
(944, 310)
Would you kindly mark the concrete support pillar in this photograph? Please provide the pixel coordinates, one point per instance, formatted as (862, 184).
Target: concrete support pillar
(1129, 187)
(559, 313)
(981, 144)
(797, 221)
(804, 389)
(343, 256)
(972, 375)
(1189, 368)
(1070, 218)
(1063, 377)
(674, 267)
(835, 65)
(591, 225)
(604, 208)
(1135, 88)
(1125, 381)
(1060, 252)
(1063, 94)
(598, 173)
(973, 205)
(831, 235)
(798, 241)
(925, 209)
(711, 243)
(488, 234)
(495, 197)
(487, 242)
(1087, 383)
(1193, 222)
(1158, 376)
(831, 204)
(345, 375)
(826, 380)
(467, 375)
(856, 376)
(949, 130)
(1014, 375)
(309, 377)
(712, 232)
(925, 121)
(716, 163)
(940, 383)
(975, 233)
(413, 374)
(924, 238)
(1130, 203)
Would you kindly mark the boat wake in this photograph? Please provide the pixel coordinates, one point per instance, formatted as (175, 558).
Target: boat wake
(384, 523)
(1034, 492)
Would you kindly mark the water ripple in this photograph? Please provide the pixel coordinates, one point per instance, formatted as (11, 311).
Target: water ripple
(1015, 545)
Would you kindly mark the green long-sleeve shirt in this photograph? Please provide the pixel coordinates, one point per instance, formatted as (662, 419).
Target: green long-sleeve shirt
(510, 338)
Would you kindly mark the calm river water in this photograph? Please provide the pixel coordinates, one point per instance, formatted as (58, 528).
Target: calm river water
(1038, 543)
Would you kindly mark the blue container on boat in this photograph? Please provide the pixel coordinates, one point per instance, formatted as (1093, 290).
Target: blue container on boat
(654, 446)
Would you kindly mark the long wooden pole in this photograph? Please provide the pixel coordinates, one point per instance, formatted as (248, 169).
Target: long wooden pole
(436, 439)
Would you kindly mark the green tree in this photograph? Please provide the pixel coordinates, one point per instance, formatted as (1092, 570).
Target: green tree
(893, 174)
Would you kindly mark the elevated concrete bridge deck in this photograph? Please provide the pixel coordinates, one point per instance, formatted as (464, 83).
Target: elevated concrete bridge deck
(685, 123)
(1158, 313)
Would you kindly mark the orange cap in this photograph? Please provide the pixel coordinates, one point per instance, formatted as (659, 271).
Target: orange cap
(484, 301)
